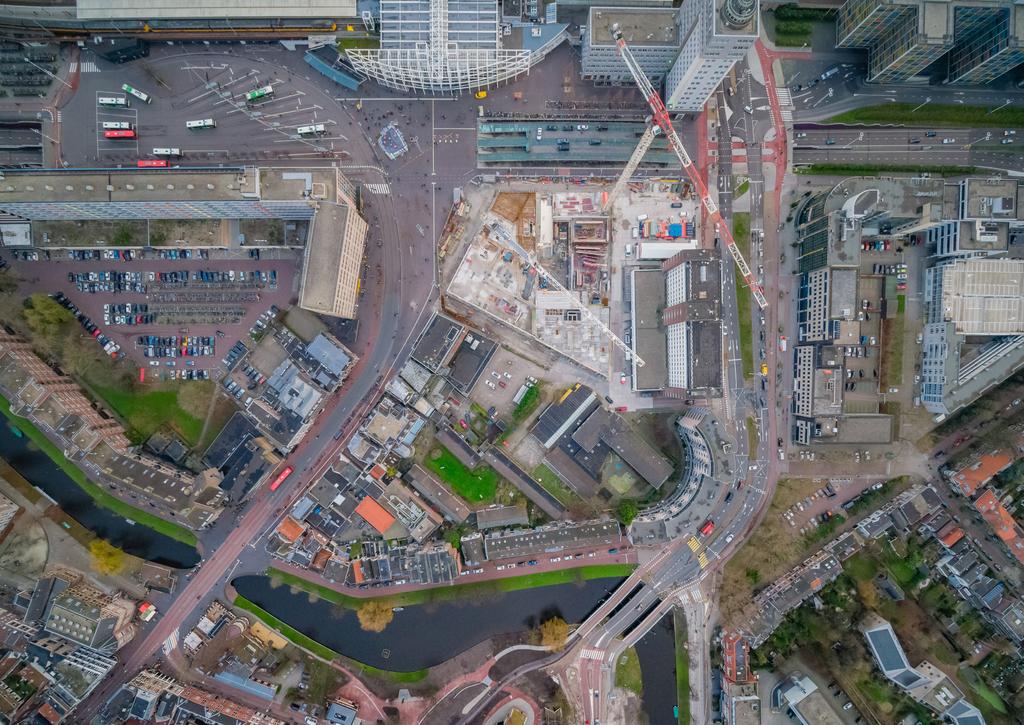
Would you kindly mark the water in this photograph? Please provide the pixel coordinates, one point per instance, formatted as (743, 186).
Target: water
(425, 635)
(136, 539)
(657, 654)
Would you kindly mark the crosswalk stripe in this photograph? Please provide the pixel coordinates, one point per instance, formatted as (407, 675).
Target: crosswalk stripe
(693, 544)
(89, 66)
(592, 654)
(378, 188)
(171, 643)
(702, 560)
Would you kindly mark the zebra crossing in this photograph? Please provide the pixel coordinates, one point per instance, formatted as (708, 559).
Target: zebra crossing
(691, 594)
(592, 654)
(785, 104)
(171, 643)
(378, 188)
(86, 66)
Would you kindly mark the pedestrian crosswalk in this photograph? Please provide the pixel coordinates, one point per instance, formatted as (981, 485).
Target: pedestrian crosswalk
(378, 188)
(89, 66)
(702, 560)
(592, 654)
(693, 543)
(171, 643)
(785, 105)
(691, 594)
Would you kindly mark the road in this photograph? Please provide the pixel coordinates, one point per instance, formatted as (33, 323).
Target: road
(911, 146)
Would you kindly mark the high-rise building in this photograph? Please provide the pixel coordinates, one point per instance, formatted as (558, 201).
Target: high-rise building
(716, 34)
(983, 38)
(651, 33)
(447, 46)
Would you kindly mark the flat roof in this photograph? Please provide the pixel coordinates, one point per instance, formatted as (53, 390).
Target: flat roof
(330, 273)
(129, 185)
(470, 359)
(649, 341)
(641, 27)
(815, 709)
(437, 342)
(984, 296)
(532, 542)
(167, 9)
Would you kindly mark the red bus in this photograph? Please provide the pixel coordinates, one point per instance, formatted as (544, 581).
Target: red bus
(707, 528)
(281, 477)
(152, 163)
(129, 133)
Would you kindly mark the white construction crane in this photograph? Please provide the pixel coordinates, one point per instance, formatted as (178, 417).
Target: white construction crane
(627, 172)
(514, 246)
(661, 119)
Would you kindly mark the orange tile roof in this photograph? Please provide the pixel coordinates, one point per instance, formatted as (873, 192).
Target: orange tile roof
(1016, 548)
(378, 471)
(375, 515)
(49, 713)
(997, 516)
(290, 529)
(952, 536)
(357, 572)
(320, 560)
(973, 477)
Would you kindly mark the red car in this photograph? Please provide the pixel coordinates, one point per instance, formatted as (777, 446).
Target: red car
(463, 424)
(621, 409)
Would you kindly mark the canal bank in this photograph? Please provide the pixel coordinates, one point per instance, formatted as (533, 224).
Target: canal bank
(33, 456)
(430, 631)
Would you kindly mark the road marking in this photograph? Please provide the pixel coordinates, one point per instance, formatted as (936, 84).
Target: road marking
(592, 654)
(89, 66)
(171, 643)
(702, 559)
(378, 188)
(693, 543)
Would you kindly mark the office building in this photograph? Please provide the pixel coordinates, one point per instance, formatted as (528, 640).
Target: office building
(91, 618)
(981, 39)
(652, 35)
(439, 46)
(716, 34)
(676, 325)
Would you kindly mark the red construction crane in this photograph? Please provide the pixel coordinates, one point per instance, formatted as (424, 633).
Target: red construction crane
(661, 119)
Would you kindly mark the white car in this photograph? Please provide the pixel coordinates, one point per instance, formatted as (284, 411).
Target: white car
(748, 109)
(540, 132)
(231, 275)
(729, 538)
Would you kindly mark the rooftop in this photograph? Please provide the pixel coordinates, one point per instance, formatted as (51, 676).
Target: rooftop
(375, 515)
(970, 478)
(437, 342)
(173, 9)
(641, 27)
(997, 516)
(649, 337)
(984, 296)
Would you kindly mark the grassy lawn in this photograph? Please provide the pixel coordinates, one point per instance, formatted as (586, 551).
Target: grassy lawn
(991, 699)
(741, 189)
(553, 485)
(358, 43)
(752, 437)
(146, 412)
(311, 645)
(627, 672)
(476, 486)
(447, 593)
(878, 169)
(934, 114)
(682, 668)
(892, 341)
(101, 497)
(744, 300)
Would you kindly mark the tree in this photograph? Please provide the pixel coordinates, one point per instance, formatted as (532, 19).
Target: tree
(107, 558)
(626, 511)
(375, 615)
(553, 633)
(868, 593)
(44, 316)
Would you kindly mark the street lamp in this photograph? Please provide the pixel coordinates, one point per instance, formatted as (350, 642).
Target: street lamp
(1006, 103)
(927, 100)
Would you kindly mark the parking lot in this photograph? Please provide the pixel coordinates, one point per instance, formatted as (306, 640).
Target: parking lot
(506, 373)
(159, 311)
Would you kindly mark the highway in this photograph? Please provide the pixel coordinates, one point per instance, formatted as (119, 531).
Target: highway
(909, 146)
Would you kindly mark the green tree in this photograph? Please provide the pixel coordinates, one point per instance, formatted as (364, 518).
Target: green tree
(45, 317)
(626, 511)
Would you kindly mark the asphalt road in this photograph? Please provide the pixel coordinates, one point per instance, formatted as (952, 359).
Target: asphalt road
(910, 146)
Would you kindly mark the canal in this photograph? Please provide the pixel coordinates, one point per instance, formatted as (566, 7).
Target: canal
(657, 654)
(37, 468)
(425, 635)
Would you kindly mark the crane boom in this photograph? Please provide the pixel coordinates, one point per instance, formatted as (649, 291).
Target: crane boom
(634, 161)
(662, 120)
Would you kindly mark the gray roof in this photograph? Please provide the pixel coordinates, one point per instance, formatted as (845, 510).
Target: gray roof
(328, 354)
(436, 342)
(962, 712)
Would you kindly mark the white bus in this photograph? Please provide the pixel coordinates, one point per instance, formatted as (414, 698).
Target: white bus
(114, 101)
(116, 126)
(144, 97)
(204, 123)
(316, 128)
(167, 152)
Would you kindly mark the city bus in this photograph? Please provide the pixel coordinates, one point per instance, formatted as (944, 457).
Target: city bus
(259, 93)
(316, 128)
(281, 478)
(114, 101)
(166, 152)
(120, 133)
(144, 97)
(116, 125)
(204, 123)
(707, 527)
(152, 163)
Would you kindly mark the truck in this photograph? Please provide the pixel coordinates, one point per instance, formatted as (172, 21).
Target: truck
(764, 369)
(782, 343)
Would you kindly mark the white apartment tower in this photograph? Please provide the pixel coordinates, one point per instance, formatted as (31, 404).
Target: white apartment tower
(716, 34)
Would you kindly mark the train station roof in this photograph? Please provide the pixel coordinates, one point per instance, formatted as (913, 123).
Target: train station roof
(241, 9)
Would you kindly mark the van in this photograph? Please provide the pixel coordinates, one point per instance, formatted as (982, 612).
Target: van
(629, 249)
(642, 218)
(636, 234)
